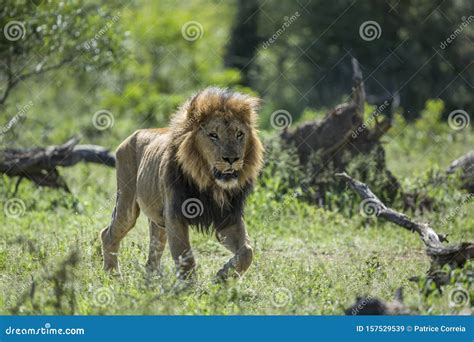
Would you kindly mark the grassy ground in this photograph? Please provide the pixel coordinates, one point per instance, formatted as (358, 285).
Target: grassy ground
(307, 260)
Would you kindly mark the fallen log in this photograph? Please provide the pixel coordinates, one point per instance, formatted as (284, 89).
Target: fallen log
(455, 255)
(40, 164)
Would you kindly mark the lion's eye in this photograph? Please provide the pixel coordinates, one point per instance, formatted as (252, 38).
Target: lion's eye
(240, 135)
(213, 136)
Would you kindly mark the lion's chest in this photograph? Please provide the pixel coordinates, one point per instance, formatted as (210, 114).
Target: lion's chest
(200, 208)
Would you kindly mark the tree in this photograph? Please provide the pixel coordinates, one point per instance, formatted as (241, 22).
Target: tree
(422, 49)
(244, 38)
(42, 36)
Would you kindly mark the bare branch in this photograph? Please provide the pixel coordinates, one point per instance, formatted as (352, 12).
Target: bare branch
(10, 82)
(14, 80)
(43, 70)
(455, 255)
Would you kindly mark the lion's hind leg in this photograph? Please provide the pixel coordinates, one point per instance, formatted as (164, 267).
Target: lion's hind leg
(126, 209)
(123, 219)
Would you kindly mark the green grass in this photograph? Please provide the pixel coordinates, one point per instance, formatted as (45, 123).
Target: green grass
(308, 260)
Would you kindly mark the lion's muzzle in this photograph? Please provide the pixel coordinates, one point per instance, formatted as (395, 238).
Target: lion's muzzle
(226, 175)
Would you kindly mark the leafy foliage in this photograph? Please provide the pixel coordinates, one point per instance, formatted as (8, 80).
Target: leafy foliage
(313, 53)
(135, 62)
(42, 36)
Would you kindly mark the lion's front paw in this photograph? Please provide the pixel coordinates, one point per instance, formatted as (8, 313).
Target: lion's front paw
(221, 276)
(225, 273)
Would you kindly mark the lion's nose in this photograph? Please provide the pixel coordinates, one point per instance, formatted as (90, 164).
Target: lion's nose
(230, 160)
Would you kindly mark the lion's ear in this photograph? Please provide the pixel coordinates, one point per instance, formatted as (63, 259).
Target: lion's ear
(254, 103)
(193, 108)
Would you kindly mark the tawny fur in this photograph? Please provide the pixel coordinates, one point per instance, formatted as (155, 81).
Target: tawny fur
(156, 166)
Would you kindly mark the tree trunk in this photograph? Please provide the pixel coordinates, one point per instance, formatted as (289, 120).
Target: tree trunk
(244, 40)
(341, 136)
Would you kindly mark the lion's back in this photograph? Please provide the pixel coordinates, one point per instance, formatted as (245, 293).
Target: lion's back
(137, 144)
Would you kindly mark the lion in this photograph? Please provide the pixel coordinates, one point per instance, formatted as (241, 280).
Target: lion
(197, 172)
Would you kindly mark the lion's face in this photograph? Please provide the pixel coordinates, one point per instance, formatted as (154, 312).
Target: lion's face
(223, 141)
(216, 140)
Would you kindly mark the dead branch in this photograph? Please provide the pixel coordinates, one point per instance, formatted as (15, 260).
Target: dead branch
(342, 128)
(455, 255)
(358, 89)
(334, 131)
(40, 164)
(325, 135)
(330, 144)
